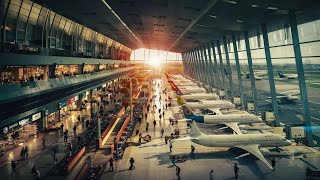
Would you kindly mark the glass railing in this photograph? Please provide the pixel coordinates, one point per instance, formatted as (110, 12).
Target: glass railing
(21, 89)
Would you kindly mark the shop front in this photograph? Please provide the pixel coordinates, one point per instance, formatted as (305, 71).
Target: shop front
(19, 132)
(65, 107)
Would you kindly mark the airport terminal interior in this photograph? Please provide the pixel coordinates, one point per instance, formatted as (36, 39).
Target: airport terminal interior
(159, 89)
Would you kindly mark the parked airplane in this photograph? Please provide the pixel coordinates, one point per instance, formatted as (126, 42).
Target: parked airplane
(287, 96)
(251, 143)
(191, 89)
(220, 104)
(208, 96)
(230, 120)
(288, 76)
(257, 74)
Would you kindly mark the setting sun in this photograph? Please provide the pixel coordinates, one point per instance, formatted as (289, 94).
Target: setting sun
(154, 61)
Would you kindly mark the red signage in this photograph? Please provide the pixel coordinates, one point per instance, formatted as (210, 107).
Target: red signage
(71, 100)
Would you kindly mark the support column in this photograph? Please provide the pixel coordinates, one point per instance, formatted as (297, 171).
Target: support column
(52, 71)
(301, 78)
(222, 71)
(236, 56)
(216, 68)
(209, 66)
(196, 65)
(253, 82)
(228, 68)
(199, 66)
(213, 73)
(270, 73)
(204, 67)
(81, 68)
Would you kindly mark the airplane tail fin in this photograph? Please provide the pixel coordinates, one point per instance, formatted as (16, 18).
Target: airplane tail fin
(195, 131)
(187, 112)
(180, 100)
(281, 74)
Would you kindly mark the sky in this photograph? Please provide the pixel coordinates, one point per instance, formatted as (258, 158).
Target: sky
(154, 54)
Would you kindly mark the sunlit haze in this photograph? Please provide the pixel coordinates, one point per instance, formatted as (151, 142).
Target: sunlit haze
(149, 54)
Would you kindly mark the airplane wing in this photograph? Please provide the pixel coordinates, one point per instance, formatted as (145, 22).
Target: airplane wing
(216, 110)
(254, 150)
(233, 126)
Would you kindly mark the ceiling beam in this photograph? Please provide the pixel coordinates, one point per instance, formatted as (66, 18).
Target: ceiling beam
(204, 12)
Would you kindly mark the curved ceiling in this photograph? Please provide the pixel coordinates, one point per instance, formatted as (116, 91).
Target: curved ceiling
(174, 25)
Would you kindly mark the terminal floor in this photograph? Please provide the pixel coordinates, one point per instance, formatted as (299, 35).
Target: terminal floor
(43, 158)
(152, 159)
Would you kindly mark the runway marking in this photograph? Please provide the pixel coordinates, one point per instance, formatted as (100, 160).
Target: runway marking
(314, 102)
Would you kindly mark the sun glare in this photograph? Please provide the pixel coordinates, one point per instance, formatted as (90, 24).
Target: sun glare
(154, 61)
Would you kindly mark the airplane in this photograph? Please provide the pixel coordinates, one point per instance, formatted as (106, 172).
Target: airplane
(257, 74)
(256, 77)
(251, 143)
(221, 104)
(287, 96)
(208, 96)
(230, 120)
(288, 76)
(191, 89)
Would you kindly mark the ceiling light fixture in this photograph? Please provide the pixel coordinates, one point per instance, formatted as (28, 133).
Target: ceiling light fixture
(201, 25)
(239, 21)
(254, 5)
(212, 16)
(231, 2)
(272, 8)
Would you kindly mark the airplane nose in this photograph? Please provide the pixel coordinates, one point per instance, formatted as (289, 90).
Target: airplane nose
(288, 142)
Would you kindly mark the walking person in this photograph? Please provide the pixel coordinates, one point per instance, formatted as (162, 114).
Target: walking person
(147, 126)
(178, 170)
(160, 116)
(62, 126)
(236, 170)
(140, 137)
(166, 106)
(74, 130)
(192, 151)
(159, 111)
(43, 142)
(273, 163)
(26, 151)
(162, 131)
(22, 152)
(163, 114)
(154, 123)
(65, 136)
(35, 172)
(170, 145)
(78, 118)
(131, 164)
(111, 164)
(54, 150)
(211, 175)
(14, 167)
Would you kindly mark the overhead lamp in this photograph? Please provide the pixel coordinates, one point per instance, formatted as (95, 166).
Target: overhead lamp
(231, 2)
(201, 25)
(254, 5)
(272, 8)
(212, 16)
(239, 21)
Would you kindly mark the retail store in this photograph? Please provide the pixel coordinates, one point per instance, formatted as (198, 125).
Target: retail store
(65, 107)
(24, 73)
(19, 132)
(66, 70)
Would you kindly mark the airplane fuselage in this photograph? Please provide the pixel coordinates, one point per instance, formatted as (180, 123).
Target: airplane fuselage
(264, 140)
(226, 118)
(200, 96)
(211, 104)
